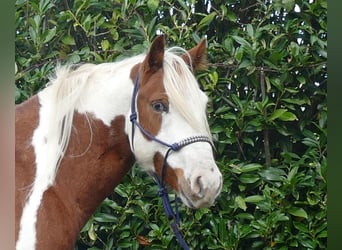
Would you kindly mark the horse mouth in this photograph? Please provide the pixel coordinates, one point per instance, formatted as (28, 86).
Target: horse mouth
(197, 195)
(197, 191)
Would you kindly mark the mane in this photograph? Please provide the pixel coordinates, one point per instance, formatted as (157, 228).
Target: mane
(183, 90)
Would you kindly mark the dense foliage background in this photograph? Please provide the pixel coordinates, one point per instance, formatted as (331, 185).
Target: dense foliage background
(267, 81)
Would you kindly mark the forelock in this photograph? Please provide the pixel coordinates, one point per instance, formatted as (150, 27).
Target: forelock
(183, 91)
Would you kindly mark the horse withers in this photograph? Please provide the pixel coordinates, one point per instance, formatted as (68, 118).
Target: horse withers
(78, 137)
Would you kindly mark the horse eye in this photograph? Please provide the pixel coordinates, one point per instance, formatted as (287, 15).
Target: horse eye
(159, 107)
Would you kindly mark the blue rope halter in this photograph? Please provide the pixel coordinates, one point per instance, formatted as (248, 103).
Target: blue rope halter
(162, 192)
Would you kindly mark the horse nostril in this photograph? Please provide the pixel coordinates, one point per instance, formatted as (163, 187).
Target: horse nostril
(198, 187)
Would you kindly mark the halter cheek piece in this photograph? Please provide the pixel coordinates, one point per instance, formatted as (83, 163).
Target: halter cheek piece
(162, 192)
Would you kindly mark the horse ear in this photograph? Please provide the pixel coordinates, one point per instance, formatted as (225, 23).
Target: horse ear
(198, 58)
(155, 57)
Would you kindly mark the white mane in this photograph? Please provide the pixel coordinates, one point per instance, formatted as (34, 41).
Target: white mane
(183, 90)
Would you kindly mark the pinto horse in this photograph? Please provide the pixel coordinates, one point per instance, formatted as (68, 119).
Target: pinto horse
(78, 137)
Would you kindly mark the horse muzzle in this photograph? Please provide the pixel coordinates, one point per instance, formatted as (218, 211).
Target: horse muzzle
(201, 189)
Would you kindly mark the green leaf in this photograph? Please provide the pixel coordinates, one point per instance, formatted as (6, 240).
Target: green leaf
(250, 30)
(276, 114)
(115, 34)
(105, 44)
(288, 116)
(301, 79)
(33, 35)
(248, 141)
(87, 23)
(294, 47)
(222, 109)
(206, 20)
(124, 234)
(68, 40)
(310, 142)
(268, 84)
(292, 90)
(283, 115)
(104, 217)
(91, 233)
(248, 178)
(254, 198)
(153, 5)
(292, 173)
(246, 216)
(275, 39)
(294, 101)
(50, 34)
(273, 174)
(280, 217)
(239, 54)
(231, 16)
(214, 77)
(241, 203)
(229, 116)
(74, 58)
(45, 5)
(298, 212)
(183, 4)
(323, 234)
(241, 41)
(245, 64)
(250, 167)
(122, 191)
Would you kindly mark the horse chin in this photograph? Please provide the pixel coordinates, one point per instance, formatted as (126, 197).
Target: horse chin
(194, 204)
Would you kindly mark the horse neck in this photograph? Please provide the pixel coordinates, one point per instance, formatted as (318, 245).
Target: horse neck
(89, 172)
(98, 153)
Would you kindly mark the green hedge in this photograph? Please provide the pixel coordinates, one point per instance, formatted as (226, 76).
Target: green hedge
(267, 82)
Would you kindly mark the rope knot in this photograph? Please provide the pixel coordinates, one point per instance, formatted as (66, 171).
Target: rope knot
(133, 117)
(176, 146)
(162, 191)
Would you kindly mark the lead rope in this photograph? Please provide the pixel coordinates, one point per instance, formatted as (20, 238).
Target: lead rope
(162, 192)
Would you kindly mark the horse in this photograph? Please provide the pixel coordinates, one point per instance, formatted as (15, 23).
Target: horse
(78, 137)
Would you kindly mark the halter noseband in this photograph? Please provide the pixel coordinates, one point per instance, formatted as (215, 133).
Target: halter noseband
(162, 192)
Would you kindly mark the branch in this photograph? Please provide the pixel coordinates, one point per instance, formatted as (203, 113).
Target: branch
(266, 131)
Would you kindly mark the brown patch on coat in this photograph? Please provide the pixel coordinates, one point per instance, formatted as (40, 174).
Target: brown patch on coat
(173, 176)
(151, 86)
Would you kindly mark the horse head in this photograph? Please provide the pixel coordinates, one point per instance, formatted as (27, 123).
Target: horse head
(173, 140)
